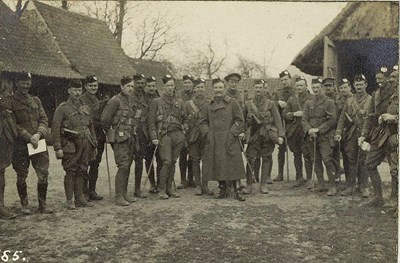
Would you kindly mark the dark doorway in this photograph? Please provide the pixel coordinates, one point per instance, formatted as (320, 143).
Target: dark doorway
(366, 56)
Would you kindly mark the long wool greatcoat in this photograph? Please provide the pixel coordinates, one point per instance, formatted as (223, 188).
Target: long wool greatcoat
(221, 123)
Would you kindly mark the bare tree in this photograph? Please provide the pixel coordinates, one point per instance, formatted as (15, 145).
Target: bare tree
(153, 34)
(212, 61)
(247, 67)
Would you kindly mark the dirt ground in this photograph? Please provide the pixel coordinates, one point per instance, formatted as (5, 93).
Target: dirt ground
(286, 225)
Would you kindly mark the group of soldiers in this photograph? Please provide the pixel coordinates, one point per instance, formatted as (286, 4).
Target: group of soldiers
(211, 137)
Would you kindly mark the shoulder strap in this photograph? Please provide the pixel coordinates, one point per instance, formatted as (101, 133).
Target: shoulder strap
(194, 107)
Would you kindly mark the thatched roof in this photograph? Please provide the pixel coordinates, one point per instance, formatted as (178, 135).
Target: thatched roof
(21, 50)
(358, 20)
(85, 43)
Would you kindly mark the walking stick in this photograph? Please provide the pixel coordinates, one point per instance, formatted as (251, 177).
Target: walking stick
(286, 152)
(247, 161)
(340, 174)
(108, 172)
(151, 165)
(313, 165)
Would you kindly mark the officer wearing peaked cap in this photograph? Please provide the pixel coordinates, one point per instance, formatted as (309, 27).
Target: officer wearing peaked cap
(319, 118)
(222, 126)
(348, 130)
(232, 81)
(139, 98)
(329, 85)
(118, 119)
(185, 162)
(292, 114)
(32, 119)
(378, 127)
(90, 99)
(167, 124)
(74, 141)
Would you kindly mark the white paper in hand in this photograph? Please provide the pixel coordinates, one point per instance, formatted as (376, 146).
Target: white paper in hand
(42, 147)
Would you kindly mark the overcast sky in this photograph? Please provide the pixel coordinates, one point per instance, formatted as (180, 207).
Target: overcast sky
(252, 29)
(273, 32)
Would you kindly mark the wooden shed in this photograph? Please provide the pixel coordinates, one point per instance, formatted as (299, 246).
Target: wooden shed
(361, 39)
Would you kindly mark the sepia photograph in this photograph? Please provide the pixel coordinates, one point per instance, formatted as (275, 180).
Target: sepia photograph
(199, 131)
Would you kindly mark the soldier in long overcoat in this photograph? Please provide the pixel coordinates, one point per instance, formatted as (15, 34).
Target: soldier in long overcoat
(222, 125)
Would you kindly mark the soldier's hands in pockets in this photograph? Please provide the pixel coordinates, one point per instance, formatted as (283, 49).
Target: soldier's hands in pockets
(59, 154)
(155, 142)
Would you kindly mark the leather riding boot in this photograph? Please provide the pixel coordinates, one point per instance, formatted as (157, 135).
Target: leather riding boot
(281, 162)
(138, 178)
(298, 164)
(377, 200)
(69, 190)
(197, 176)
(171, 186)
(125, 188)
(79, 198)
(4, 213)
(42, 195)
(23, 195)
(266, 169)
(162, 186)
(92, 187)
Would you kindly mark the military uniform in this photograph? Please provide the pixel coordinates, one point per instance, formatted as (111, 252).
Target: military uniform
(32, 119)
(282, 94)
(73, 133)
(8, 134)
(195, 141)
(265, 124)
(379, 136)
(167, 121)
(349, 128)
(296, 137)
(393, 144)
(185, 160)
(118, 118)
(320, 112)
(95, 111)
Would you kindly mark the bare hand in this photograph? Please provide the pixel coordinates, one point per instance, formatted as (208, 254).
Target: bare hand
(280, 140)
(337, 138)
(155, 142)
(387, 117)
(298, 113)
(59, 154)
(360, 141)
(282, 103)
(241, 136)
(34, 140)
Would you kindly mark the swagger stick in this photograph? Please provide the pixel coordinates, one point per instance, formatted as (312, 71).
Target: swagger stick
(313, 165)
(247, 161)
(150, 166)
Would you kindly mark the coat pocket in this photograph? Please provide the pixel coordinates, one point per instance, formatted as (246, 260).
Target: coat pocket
(67, 146)
(121, 136)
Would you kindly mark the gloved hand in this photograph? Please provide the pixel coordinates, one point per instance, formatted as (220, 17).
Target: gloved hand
(155, 142)
(360, 141)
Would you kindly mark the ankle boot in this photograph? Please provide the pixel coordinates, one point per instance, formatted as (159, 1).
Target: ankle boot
(266, 169)
(42, 195)
(93, 195)
(237, 196)
(205, 188)
(23, 195)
